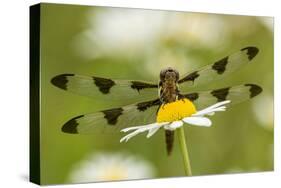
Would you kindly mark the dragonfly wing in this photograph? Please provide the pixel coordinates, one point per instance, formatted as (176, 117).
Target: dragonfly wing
(218, 70)
(235, 94)
(106, 89)
(114, 119)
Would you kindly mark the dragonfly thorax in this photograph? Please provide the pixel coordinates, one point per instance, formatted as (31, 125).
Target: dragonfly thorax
(168, 89)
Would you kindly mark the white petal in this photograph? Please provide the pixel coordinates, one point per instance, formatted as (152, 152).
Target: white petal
(128, 136)
(220, 104)
(176, 124)
(143, 126)
(200, 121)
(136, 128)
(167, 127)
(211, 114)
(212, 109)
(204, 112)
(152, 128)
(152, 131)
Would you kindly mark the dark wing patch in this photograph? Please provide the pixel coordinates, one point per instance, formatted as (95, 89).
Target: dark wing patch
(235, 94)
(217, 70)
(191, 96)
(191, 77)
(142, 85)
(251, 52)
(142, 106)
(71, 125)
(220, 94)
(61, 80)
(103, 84)
(112, 115)
(220, 65)
(254, 89)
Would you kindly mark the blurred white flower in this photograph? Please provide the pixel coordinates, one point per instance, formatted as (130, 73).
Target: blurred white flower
(263, 110)
(116, 30)
(136, 31)
(110, 167)
(206, 30)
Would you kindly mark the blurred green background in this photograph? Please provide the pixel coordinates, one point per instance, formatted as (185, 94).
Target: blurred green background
(136, 44)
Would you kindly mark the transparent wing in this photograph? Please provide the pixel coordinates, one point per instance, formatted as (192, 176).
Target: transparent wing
(218, 70)
(113, 119)
(106, 89)
(235, 94)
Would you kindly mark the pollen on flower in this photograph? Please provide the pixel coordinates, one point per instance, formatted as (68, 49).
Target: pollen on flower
(175, 111)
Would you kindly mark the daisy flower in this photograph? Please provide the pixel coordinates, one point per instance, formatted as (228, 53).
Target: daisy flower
(173, 115)
(110, 167)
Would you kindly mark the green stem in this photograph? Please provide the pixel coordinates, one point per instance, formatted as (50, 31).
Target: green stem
(184, 151)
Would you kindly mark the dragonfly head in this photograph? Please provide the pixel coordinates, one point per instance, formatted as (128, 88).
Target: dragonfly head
(169, 75)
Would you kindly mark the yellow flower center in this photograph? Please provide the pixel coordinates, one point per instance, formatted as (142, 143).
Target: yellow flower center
(175, 111)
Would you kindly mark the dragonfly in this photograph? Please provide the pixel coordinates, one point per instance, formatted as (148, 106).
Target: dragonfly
(147, 97)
